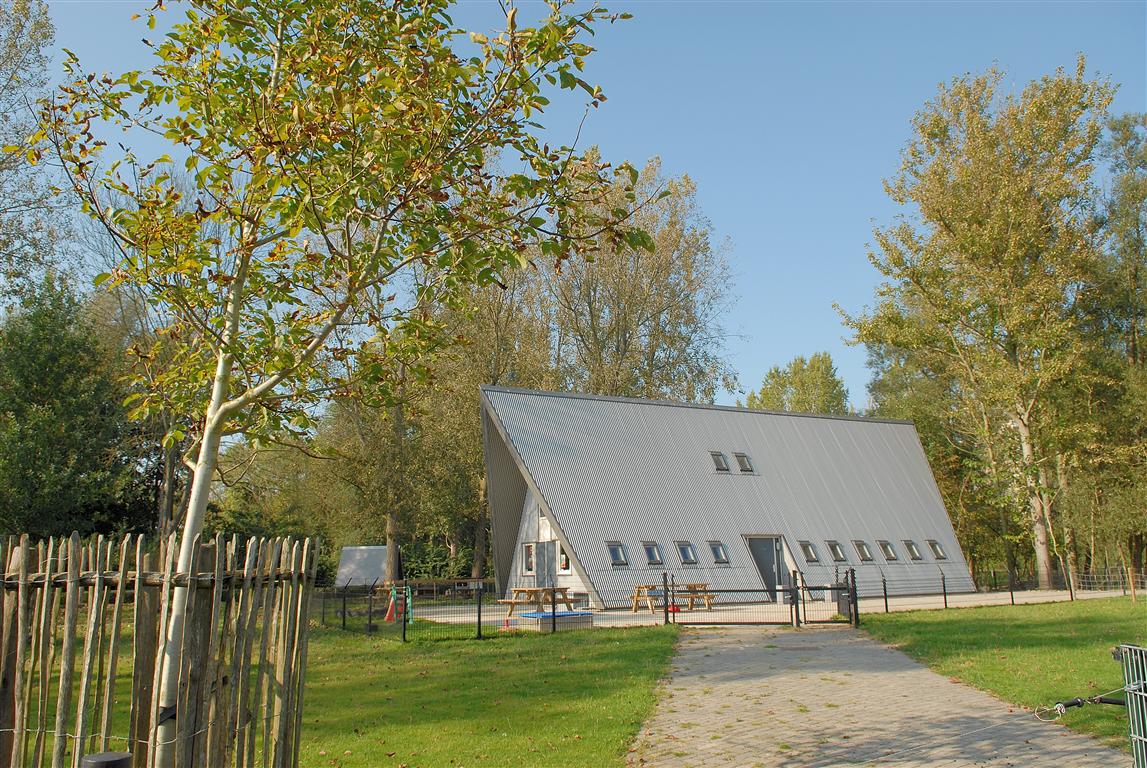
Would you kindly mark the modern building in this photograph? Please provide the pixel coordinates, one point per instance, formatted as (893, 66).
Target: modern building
(627, 489)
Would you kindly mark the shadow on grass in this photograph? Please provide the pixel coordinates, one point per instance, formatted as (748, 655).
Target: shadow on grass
(574, 698)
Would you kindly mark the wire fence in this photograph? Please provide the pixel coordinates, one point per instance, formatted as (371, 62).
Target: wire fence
(898, 592)
(473, 609)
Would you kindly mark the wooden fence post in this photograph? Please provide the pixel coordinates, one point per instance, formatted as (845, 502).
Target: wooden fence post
(11, 635)
(62, 610)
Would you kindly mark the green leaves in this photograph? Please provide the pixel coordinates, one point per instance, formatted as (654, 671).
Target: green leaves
(336, 189)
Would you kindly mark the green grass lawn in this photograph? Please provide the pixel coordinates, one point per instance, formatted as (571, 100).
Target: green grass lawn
(1032, 655)
(570, 699)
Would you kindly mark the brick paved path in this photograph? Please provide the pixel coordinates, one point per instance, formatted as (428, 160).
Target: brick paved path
(776, 698)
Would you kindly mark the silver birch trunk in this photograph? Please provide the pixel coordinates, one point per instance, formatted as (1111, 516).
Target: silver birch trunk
(1037, 515)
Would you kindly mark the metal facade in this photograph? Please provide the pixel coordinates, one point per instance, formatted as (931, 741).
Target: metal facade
(617, 469)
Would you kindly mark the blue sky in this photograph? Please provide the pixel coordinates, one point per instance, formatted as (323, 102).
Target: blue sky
(787, 115)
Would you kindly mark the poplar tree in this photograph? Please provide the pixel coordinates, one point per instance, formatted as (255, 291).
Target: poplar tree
(984, 272)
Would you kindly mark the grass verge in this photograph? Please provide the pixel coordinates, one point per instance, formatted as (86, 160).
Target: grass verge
(1031, 655)
(575, 698)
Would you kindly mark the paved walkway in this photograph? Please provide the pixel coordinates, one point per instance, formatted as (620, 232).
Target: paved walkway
(779, 698)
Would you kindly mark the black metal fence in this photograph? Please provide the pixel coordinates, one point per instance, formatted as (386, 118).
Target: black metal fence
(455, 610)
(472, 608)
(933, 590)
(1108, 579)
(794, 604)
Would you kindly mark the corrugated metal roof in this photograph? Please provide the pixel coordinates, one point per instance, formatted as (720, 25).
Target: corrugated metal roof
(619, 469)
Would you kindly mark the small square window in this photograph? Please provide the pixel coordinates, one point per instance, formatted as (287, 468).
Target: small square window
(720, 554)
(744, 463)
(685, 550)
(720, 463)
(887, 550)
(652, 552)
(937, 550)
(527, 559)
(913, 550)
(617, 554)
(836, 551)
(809, 552)
(862, 551)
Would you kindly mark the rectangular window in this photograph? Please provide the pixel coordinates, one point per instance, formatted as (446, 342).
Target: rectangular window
(652, 552)
(887, 549)
(744, 463)
(913, 550)
(809, 552)
(862, 551)
(563, 560)
(617, 554)
(685, 550)
(720, 554)
(720, 463)
(527, 559)
(937, 551)
(836, 551)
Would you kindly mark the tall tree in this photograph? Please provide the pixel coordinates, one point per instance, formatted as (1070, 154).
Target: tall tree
(66, 459)
(984, 274)
(802, 386)
(335, 147)
(27, 224)
(647, 323)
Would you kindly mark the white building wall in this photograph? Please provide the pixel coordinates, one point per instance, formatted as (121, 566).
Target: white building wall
(534, 527)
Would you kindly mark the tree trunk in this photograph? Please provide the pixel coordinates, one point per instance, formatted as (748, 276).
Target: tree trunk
(1037, 514)
(1069, 542)
(214, 424)
(196, 511)
(393, 573)
(478, 568)
(167, 493)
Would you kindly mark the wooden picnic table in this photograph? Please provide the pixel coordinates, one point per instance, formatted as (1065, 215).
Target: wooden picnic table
(691, 594)
(645, 592)
(696, 593)
(538, 596)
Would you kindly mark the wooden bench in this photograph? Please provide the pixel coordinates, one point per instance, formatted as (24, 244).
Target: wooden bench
(696, 597)
(515, 603)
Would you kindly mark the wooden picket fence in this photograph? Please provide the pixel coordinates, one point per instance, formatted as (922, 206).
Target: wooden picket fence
(83, 623)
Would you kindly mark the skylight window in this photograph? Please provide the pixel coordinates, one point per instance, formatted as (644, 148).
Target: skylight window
(720, 463)
(652, 552)
(809, 552)
(837, 552)
(862, 551)
(617, 554)
(744, 463)
(937, 550)
(913, 550)
(887, 550)
(720, 554)
(686, 552)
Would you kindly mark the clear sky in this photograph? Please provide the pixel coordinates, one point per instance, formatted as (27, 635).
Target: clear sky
(787, 115)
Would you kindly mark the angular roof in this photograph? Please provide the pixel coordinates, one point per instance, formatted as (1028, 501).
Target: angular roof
(628, 470)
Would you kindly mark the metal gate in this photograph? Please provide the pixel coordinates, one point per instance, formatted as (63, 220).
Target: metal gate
(1134, 660)
(784, 605)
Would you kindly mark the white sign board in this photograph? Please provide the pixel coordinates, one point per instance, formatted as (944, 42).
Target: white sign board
(361, 566)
